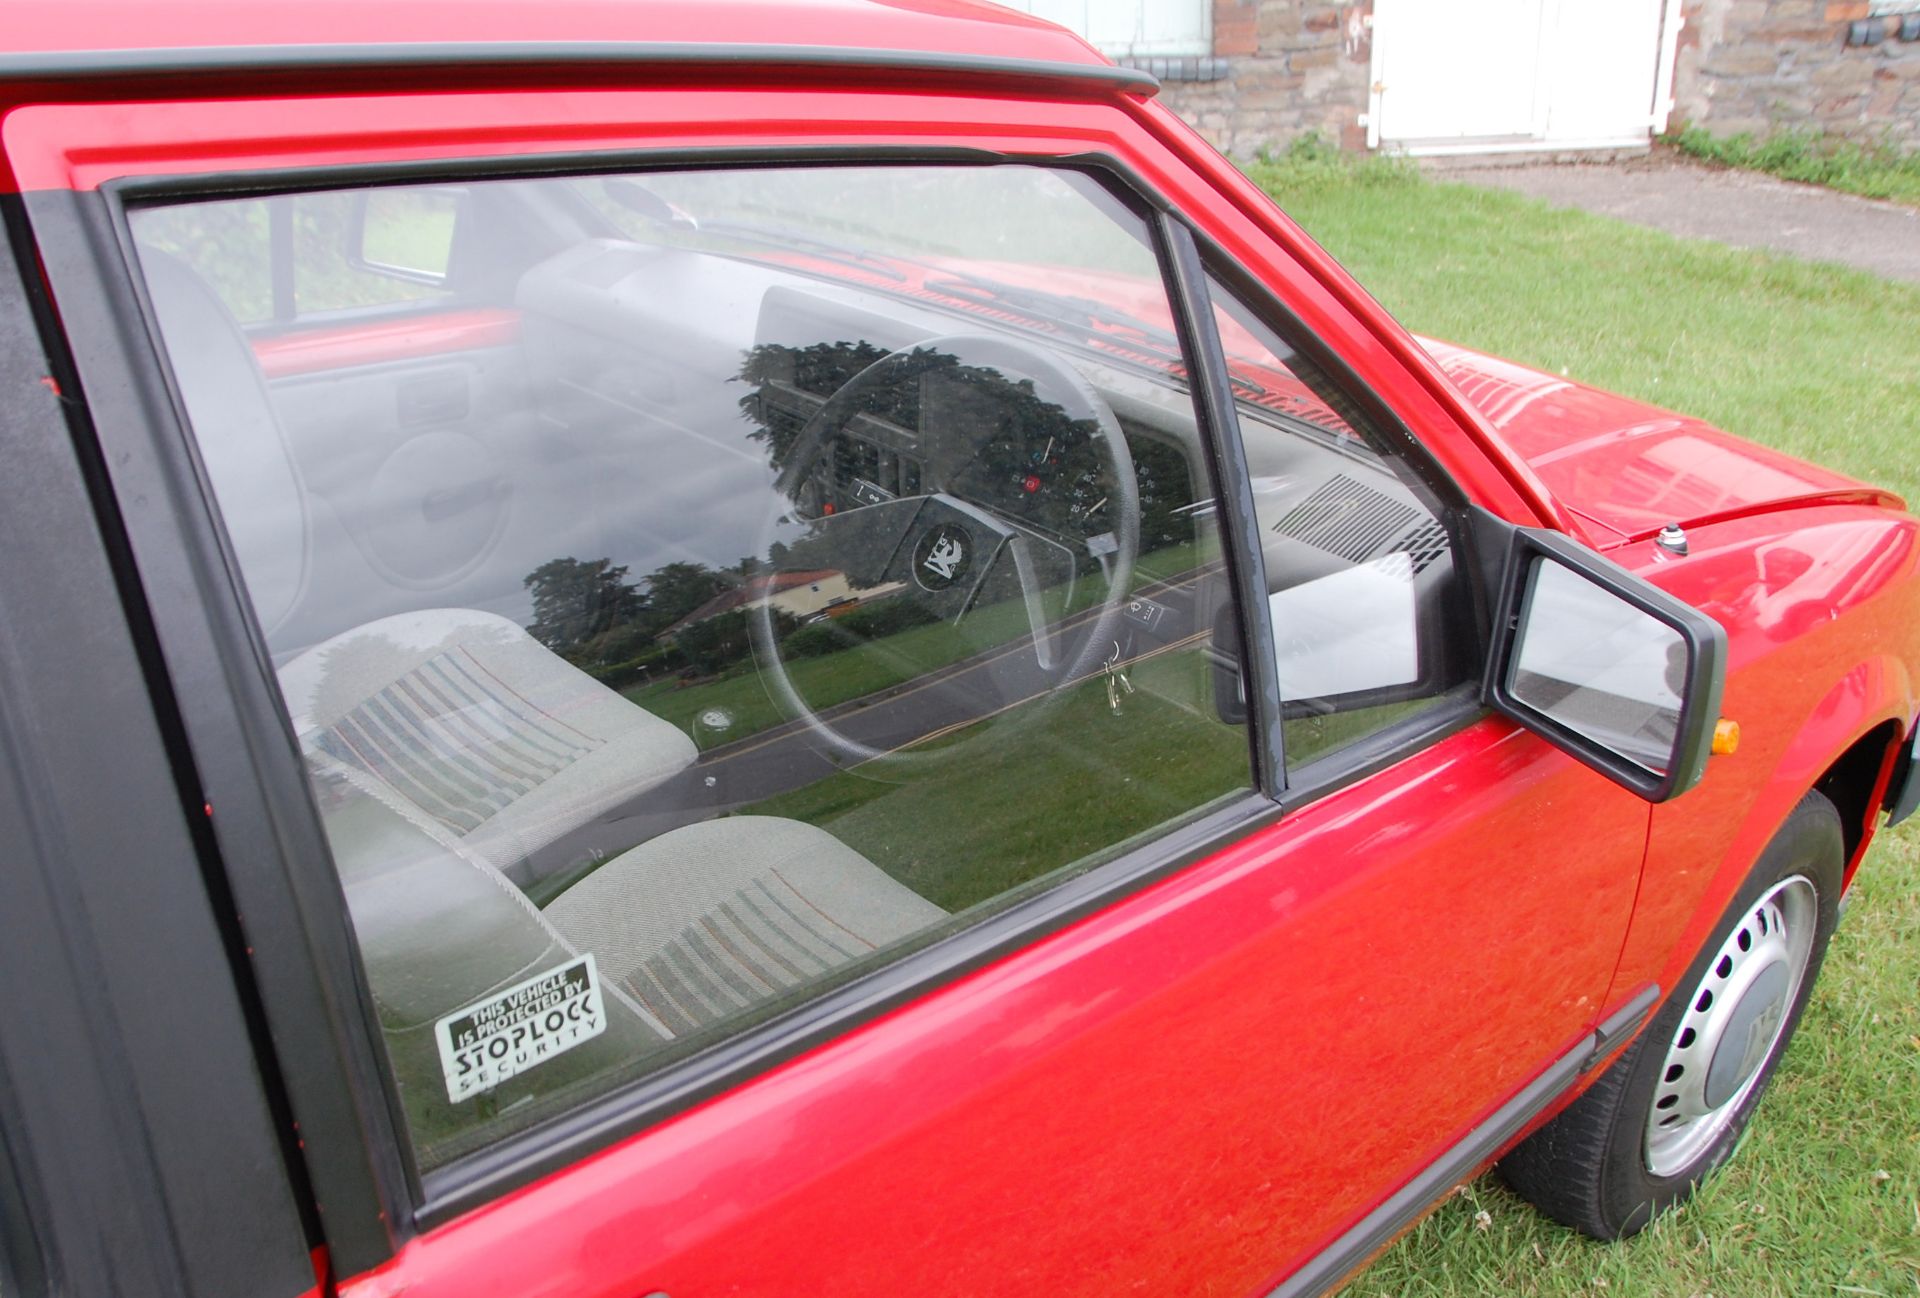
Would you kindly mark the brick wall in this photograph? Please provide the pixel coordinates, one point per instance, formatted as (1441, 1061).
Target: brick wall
(1293, 66)
(1761, 66)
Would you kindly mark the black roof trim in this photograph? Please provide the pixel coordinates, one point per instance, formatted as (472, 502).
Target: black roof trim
(607, 55)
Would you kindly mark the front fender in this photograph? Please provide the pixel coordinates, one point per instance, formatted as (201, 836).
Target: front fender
(1822, 651)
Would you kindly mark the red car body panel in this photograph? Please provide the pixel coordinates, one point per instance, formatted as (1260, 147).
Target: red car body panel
(1151, 1092)
(1181, 1085)
(1825, 621)
(1630, 467)
(948, 26)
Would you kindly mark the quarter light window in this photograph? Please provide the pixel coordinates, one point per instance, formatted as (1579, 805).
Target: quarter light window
(1360, 573)
(693, 591)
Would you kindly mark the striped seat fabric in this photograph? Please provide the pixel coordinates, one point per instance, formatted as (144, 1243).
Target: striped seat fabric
(458, 742)
(701, 923)
(471, 729)
(763, 940)
(447, 745)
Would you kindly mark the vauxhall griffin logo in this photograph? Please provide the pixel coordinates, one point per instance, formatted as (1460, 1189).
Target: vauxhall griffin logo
(946, 556)
(941, 557)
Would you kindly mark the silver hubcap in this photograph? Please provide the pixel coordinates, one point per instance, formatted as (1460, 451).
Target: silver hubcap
(1732, 1024)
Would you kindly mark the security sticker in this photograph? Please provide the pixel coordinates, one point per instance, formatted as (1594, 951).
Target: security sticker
(529, 1023)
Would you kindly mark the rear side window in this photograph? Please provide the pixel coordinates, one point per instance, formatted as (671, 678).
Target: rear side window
(744, 579)
(276, 261)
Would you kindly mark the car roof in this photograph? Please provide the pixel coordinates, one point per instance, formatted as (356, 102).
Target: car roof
(947, 27)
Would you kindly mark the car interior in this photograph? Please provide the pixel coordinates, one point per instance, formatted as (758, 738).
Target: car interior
(676, 590)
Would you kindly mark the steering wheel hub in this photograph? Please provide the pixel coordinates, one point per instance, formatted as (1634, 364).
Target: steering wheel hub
(942, 557)
(979, 537)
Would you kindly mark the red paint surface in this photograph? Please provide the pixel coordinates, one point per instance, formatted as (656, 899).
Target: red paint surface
(1822, 606)
(1634, 467)
(1198, 1086)
(309, 351)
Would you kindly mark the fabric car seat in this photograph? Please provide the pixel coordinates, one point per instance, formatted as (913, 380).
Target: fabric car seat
(714, 918)
(475, 746)
(476, 732)
(256, 482)
(685, 930)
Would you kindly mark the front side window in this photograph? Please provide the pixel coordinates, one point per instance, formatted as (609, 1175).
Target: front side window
(691, 591)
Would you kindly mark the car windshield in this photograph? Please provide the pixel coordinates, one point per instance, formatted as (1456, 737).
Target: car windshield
(1092, 293)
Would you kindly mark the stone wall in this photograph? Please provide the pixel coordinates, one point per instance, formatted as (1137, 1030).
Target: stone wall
(1292, 66)
(1287, 67)
(1762, 66)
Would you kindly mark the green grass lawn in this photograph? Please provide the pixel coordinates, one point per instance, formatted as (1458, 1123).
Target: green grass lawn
(1815, 360)
(1813, 159)
(1075, 787)
(1824, 1198)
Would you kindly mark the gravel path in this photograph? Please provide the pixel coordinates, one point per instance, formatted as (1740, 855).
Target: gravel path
(1744, 209)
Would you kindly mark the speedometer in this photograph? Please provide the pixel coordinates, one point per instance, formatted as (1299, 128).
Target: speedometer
(1031, 460)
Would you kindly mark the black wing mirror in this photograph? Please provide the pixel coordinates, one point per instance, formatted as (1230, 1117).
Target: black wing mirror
(1604, 665)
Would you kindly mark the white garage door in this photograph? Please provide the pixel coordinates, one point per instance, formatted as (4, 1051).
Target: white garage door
(1500, 75)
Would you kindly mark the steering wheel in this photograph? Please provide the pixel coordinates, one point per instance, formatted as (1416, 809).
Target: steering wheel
(944, 546)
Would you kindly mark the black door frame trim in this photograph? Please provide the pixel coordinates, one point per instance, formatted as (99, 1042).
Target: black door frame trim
(1378, 1228)
(301, 953)
(1212, 392)
(1904, 787)
(139, 1146)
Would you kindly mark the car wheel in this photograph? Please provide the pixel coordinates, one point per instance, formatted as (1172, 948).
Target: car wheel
(1670, 1109)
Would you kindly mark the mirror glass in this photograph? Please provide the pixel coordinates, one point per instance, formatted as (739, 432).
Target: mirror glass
(1599, 666)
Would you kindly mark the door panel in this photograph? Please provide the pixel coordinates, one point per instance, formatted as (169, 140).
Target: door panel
(366, 342)
(1197, 1088)
(427, 472)
(1170, 1083)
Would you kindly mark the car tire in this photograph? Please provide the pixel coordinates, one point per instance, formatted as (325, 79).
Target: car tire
(1671, 1108)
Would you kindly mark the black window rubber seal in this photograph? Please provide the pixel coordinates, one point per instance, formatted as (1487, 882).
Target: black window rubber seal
(1233, 491)
(624, 59)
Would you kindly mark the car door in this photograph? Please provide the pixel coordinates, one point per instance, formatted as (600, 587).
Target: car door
(1226, 949)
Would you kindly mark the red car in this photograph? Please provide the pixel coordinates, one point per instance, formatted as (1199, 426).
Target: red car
(777, 649)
